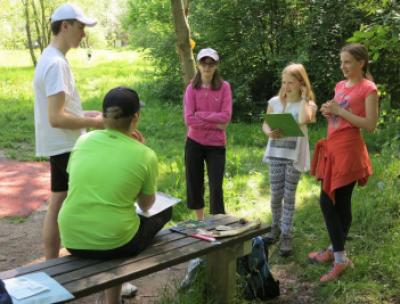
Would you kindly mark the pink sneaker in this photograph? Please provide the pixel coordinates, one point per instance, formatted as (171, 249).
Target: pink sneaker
(336, 271)
(323, 256)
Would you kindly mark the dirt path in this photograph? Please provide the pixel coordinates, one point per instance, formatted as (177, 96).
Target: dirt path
(20, 243)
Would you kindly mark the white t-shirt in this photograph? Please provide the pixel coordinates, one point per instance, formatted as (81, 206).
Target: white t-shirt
(52, 76)
(296, 149)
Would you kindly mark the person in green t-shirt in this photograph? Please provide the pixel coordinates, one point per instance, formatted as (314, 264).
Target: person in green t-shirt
(108, 170)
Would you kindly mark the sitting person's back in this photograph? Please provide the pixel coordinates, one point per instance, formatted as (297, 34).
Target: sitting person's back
(108, 171)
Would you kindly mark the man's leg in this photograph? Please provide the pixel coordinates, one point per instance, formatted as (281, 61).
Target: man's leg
(59, 190)
(51, 236)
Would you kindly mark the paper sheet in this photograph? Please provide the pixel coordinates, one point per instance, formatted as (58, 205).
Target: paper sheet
(22, 287)
(35, 288)
(163, 201)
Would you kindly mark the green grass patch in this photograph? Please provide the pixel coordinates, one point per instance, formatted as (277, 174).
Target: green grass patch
(375, 234)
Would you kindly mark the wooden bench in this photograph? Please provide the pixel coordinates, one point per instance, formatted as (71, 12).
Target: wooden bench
(83, 277)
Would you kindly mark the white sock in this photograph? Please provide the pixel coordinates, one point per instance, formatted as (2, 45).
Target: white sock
(340, 257)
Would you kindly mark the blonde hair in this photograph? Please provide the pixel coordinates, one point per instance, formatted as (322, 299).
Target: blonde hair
(298, 71)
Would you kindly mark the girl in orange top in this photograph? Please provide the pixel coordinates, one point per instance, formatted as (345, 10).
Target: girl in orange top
(342, 158)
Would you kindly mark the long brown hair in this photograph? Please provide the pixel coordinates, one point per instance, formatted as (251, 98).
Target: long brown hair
(298, 71)
(360, 53)
(216, 81)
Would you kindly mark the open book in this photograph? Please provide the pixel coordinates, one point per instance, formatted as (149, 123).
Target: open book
(163, 201)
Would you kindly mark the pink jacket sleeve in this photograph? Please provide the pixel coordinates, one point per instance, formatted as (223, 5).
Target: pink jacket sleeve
(224, 116)
(189, 108)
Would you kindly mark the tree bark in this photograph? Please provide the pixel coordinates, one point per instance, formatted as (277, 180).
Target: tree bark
(28, 31)
(36, 22)
(179, 16)
(44, 24)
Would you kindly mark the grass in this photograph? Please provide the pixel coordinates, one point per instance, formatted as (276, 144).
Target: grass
(375, 233)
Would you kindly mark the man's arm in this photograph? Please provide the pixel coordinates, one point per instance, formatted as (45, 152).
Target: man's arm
(59, 118)
(145, 201)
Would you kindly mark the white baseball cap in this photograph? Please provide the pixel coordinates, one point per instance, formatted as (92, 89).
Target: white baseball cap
(71, 11)
(208, 52)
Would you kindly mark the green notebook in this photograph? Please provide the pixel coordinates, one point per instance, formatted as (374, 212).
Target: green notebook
(285, 122)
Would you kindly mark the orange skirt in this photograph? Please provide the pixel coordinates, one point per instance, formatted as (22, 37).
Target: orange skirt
(340, 160)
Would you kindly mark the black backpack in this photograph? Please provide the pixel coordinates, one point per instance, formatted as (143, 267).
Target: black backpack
(4, 296)
(256, 280)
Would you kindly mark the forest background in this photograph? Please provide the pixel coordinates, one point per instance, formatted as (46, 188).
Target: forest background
(255, 38)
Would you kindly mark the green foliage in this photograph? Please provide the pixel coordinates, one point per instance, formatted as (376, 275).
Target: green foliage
(255, 39)
(326, 34)
(267, 35)
(16, 110)
(199, 291)
(149, 24)
(105, 34)
(11, 28)
(382, 37)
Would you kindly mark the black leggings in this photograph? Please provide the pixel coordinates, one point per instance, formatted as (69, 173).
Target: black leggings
(195, 156)
(143, 238)
(338, 215)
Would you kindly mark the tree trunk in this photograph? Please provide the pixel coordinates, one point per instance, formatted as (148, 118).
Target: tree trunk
(28, 31)
(45, 25)
(36, 22)
(179, 14)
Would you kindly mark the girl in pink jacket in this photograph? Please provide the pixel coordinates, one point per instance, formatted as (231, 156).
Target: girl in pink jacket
(207, 112)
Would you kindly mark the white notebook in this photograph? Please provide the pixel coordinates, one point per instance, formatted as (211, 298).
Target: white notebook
(35, 288)
(162, 202)
(22, 287)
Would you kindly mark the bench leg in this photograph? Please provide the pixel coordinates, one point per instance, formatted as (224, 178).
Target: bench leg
(221, 269)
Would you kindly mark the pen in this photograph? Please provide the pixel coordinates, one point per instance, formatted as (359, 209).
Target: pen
(203, 237)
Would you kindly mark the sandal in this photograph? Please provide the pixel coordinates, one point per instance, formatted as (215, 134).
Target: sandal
(323, 256)
(336, 271)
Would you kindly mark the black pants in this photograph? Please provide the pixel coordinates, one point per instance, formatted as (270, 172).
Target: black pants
(59, 174)
(195, 156)
(338, 215)
(144, 236)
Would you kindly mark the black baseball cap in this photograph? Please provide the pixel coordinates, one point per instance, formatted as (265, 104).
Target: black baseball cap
(124, 98)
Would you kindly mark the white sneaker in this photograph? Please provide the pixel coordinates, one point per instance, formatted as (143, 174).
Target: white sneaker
(193, 268)
(128, 290)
